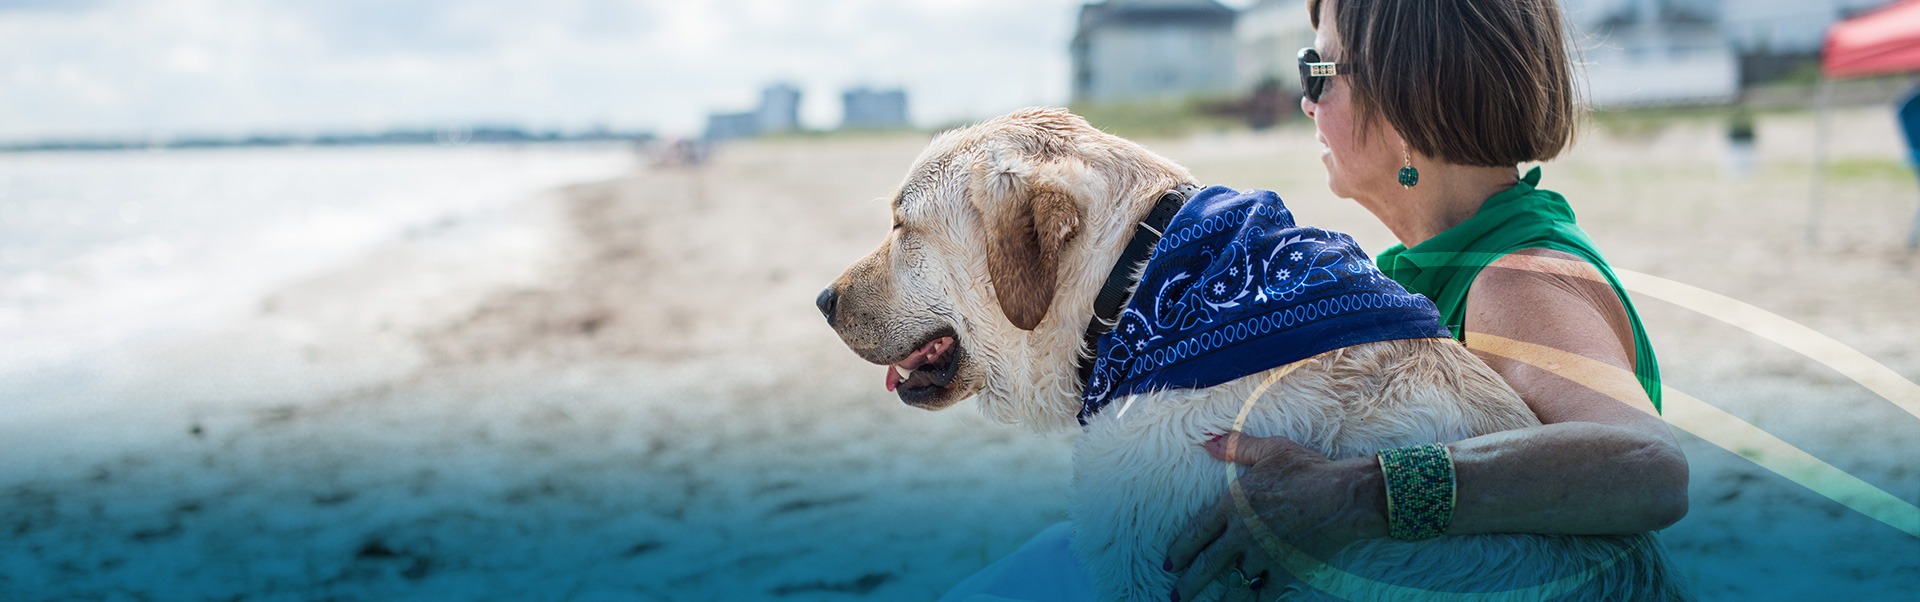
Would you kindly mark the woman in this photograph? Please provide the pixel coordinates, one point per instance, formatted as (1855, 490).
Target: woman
(1426, 109)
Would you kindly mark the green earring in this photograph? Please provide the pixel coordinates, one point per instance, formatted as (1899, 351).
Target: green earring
(1409, 177)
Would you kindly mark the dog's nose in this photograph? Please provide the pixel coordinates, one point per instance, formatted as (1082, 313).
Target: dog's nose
(827, 299)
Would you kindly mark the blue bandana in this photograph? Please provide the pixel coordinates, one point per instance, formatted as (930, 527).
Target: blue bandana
(1235, 288)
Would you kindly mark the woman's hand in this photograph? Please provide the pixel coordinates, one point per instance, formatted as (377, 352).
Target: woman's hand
(1291, 496)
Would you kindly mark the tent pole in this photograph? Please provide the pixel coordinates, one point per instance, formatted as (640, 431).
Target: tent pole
(1822, 131)
(1913, 236)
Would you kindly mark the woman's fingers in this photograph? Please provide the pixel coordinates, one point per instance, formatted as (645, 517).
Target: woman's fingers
(1209, 566)
(1201, 532)
(1212, 546)
(1242, 449)
(1258, 578)
(1237, 594)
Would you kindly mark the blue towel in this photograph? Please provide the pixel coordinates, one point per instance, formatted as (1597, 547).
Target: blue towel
(1236, 288)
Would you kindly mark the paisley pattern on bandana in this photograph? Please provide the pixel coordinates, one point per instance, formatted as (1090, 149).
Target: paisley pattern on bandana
(1236, 288)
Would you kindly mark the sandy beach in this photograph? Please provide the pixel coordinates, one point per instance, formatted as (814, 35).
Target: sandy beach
(623, 392)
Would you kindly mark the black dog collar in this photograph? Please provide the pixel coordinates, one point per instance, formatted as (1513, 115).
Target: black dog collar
(1126, 272)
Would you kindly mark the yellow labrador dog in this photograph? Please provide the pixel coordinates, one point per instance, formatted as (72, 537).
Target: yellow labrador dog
(1006, 232)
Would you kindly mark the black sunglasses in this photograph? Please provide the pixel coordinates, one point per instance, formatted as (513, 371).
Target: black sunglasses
(1314, 74)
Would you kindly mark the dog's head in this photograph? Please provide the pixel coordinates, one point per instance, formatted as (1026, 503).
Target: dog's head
(1002, 235)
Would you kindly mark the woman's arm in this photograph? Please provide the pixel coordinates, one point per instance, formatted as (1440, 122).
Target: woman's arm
(1602, 463)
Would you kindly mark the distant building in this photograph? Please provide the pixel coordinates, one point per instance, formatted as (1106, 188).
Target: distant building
(1786, 26)
(779, 110)
(1654, 52)
(1268, 37)
(874, 109)
(1774, 37)
(1633, 52)
(732, 126)
(1628, 39)
(1152, 51)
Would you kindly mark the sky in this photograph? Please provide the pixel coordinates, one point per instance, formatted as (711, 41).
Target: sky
(157, 68)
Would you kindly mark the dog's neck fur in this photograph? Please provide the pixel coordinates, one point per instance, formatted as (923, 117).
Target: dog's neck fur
(1124, 278)
(1050, 361)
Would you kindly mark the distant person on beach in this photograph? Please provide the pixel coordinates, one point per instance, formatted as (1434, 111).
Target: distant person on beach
(682, 152)
(1427, 109)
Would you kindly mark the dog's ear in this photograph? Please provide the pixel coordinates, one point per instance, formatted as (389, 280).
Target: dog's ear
(1027, 224)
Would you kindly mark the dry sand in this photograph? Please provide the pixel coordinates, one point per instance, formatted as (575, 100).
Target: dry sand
(641, 402)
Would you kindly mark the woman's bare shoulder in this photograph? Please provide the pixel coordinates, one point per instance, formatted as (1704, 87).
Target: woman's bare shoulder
(1535, 314)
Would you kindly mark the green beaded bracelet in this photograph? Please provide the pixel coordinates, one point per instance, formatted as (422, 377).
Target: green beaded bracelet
(1420, 490)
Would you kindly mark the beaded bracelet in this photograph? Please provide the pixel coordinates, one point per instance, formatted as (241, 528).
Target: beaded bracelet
(1420, 490)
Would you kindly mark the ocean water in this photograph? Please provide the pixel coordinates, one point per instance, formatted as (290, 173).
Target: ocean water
(100, 251)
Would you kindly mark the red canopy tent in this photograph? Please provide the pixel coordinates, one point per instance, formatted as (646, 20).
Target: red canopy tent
(1879, 42)
(1883, 41)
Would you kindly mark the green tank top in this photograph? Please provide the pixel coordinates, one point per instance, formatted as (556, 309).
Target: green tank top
(1522, 217)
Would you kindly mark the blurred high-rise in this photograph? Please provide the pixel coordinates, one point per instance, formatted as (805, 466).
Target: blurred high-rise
(867, 108)
(778, 113)
(779, 110)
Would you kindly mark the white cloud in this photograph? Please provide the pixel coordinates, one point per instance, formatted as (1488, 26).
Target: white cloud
(190, 59)
(228, 66)
(79, 84)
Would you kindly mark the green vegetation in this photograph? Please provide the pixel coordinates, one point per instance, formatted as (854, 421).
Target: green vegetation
(1807, 74)
(1648, 122)
(1160, 120)
(1796, 92)
(1849, 170)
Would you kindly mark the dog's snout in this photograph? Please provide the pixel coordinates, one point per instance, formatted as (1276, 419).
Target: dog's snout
(826, 301)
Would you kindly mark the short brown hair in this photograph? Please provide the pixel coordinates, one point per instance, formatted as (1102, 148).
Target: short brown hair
(1473, 82)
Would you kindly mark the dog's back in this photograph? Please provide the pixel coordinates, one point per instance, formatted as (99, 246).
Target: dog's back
(1139, 476)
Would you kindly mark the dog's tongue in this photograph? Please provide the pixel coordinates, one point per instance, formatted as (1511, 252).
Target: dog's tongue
(927, 354)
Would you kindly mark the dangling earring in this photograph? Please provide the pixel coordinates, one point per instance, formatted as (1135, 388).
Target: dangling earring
(1409, 177)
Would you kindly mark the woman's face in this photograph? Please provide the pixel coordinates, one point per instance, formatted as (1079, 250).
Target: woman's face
(1357, 167)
